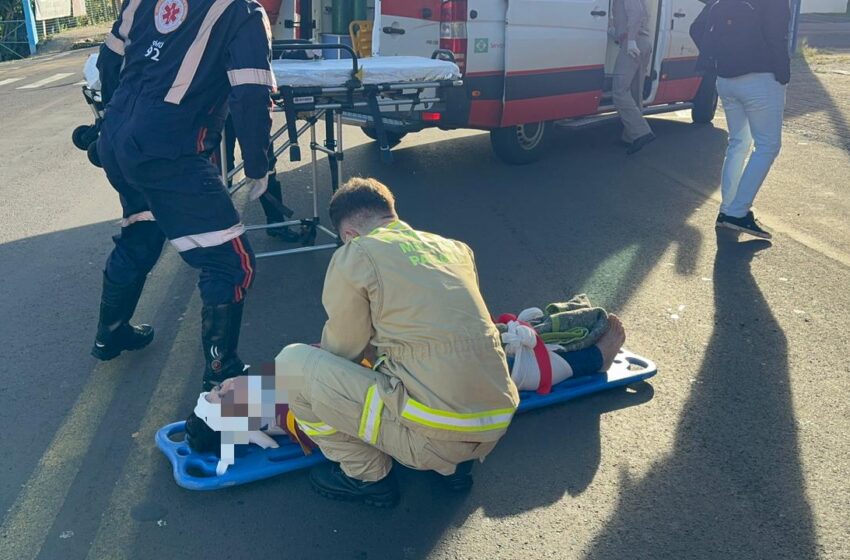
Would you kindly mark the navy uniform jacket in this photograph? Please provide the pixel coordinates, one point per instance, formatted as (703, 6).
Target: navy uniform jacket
(171, 68)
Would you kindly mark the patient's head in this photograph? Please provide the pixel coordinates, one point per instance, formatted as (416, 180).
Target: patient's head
(360, 206)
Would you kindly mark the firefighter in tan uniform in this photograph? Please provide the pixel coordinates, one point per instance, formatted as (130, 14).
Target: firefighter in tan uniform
(440, 394)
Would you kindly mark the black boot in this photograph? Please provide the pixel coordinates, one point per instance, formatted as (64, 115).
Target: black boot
(114, 331)
(461, 480)
(220, 326)
(329, 481)
(274, 214)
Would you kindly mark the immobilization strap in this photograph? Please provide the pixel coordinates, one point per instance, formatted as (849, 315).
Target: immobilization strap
(293, 430)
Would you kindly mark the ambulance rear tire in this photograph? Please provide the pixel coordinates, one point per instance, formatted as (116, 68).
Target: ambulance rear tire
(705, 101)
(393, 138)
(520, 144)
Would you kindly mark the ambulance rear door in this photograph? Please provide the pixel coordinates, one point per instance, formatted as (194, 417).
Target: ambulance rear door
(678, 74)
(406, 27)
(554, 59)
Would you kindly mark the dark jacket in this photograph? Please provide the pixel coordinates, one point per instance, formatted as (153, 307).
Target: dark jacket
(765, 50)
(170, 71)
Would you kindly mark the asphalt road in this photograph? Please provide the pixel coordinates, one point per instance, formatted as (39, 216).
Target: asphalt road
(737, 449)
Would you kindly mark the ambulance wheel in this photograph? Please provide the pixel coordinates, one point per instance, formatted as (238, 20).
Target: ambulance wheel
(393, 138)
(80, 137)
(94, 158)
(705, 101)
(520, 144)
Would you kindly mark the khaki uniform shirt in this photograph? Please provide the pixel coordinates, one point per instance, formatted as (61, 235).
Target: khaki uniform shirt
(415, 297)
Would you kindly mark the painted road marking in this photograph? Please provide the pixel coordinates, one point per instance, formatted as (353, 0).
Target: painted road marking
(45, 81)
(10, 80)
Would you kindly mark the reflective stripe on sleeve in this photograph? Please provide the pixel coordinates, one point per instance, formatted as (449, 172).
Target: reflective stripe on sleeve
(315, 429)
(192, 60)
(208, 239)
(145, 216)
(127, 17)
(370, 419)
(114, 44)
(455, 421)
(248, 76)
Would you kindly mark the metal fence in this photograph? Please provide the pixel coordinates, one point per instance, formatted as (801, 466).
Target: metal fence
(13, 30)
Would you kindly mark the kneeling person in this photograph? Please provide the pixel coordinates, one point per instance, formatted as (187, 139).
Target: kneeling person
(440, 394)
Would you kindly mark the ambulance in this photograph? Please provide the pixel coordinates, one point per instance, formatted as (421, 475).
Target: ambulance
(527, 65)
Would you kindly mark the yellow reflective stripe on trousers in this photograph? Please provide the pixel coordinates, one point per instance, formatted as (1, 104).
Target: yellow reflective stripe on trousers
(457, 421)
(315, 428)
(370, 419)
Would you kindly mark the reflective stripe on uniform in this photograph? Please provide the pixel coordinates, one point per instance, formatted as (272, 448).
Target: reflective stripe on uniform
(145, 216)
(457, 421)
(127, 17)
(251, 76)
(370, 419)
(314, 429)
(114, 44)
(208, 239)
(189, 66)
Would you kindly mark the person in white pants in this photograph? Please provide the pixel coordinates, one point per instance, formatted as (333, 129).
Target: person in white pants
(745, 44)
(754, 106)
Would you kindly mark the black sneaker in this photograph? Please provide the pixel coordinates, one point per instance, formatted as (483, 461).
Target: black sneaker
(329, 481)
(747, 224)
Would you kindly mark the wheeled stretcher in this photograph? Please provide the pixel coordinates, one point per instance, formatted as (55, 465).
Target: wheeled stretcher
(197, 471)
(311, 92)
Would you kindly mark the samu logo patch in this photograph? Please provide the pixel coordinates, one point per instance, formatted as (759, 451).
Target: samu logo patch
(169, 14)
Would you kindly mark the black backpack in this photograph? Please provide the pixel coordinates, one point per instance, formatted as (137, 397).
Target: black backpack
(733, 32)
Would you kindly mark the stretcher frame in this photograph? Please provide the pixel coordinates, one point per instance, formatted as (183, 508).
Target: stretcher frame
(314, 104)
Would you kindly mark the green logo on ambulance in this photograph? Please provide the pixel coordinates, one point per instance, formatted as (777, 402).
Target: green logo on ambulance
(482, 46)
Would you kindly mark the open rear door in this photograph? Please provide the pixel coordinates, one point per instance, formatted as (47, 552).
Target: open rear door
(554, 59)
(407, 27)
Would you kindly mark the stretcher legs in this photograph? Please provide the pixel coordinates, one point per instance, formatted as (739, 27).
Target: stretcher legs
(332, 148)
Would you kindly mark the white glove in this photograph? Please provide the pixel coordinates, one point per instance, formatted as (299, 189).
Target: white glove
(256, 187)
(612, 33)
(633, 49)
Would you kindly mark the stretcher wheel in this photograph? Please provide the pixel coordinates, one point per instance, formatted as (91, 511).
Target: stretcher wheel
(393, 138)
(94, 158)
(308, 234)
(80, 137)
(520, 144)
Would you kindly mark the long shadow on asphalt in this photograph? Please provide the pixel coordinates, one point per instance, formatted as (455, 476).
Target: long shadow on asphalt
(807, 95)
(732, 486)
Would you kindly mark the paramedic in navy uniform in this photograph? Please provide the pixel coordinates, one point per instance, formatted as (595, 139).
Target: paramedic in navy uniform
(170, 69)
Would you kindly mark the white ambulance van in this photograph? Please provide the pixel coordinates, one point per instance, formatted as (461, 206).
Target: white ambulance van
(528, 64)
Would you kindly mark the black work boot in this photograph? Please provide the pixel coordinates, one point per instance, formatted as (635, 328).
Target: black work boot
(114, 331)
(461, 480)
(329, 481)
(274, 214)
(220, 326)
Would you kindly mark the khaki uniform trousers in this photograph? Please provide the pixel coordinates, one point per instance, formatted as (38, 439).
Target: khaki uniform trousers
(629, 77)
(331, 407)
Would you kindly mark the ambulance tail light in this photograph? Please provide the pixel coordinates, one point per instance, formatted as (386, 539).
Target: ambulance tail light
(431, 117)
(453, 30)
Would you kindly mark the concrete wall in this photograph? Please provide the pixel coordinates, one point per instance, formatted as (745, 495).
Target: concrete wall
(824, 6)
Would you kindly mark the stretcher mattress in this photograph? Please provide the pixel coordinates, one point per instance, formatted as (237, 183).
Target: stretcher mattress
(374, 71)
(196, 471)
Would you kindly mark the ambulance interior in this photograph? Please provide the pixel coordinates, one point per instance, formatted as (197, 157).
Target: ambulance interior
(654, 8)
(331, 19)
